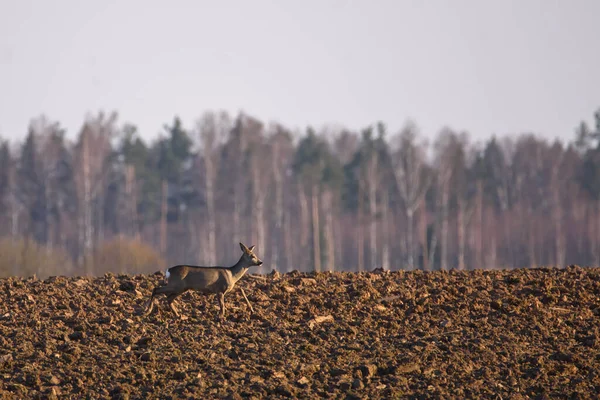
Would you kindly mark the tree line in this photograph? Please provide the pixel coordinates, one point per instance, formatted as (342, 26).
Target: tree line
(328, 200)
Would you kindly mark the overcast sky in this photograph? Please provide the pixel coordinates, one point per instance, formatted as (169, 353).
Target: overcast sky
(484, 66)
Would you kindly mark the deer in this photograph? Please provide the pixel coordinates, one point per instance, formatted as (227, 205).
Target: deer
(206, 280)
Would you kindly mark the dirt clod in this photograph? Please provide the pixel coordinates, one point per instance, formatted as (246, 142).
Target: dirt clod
(303, 381)
(127, 286)
(319, 320)
(368, 370)
(6, 358)
(407, 368)
(357, 384)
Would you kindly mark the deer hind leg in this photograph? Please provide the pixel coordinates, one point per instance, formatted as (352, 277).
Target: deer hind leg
(221, 297)
(155, 291)
(149, 306)
(170, 299)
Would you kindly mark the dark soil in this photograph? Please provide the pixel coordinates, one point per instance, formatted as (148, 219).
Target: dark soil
(530, 333)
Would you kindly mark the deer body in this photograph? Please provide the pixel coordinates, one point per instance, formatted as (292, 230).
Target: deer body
(204, 279)
(207, 280)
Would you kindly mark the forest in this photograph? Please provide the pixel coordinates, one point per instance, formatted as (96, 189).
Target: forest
(332, 199)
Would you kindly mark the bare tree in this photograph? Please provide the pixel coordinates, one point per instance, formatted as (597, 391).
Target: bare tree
(261, 176)
(360, 232)
(305, 224)
(385, 228)
(281, 152)
(131, 217)
(557, 207)
(465, 184)
(328, 228)
(164, 195)
(37, 180)
(316, 230)
(245, 131)
(450, 156)
(423, 223)
(372, 183)
(11, 200)
(412, 179)
(528, 169)
(91, 153)
(211, 128)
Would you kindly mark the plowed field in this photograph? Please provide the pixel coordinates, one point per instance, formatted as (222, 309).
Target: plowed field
(529, 333)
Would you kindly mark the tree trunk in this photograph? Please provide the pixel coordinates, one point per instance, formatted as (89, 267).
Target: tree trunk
(260, 223)
(287, 239)
(579, 216)
(531, 236)
(239, 188)
(195, 233)
(47, 217)
(371, 185)
(359, 226)
(15, 206)
(558, 229)
(409, 237)
(423, 229)
(316, 229)
(237, 211)
(134, 209)
(461, 233)
(435, 234)
(100, 218)
(385, 237)
(14, 229)
(338, 245)
(444, 232)
(129, 219)
(479, 232)
(24, 262)
(88, 227)
(304, 226)
(163, 219)
(258, 208)
(210, 205)
(508, 244)
(372, 220)
(276, 237)
(492, 255)
(493, 252)
(328, 229)
(558, 223)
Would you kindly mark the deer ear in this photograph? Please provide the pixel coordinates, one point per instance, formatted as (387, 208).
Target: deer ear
(251, 248)
(244, 248)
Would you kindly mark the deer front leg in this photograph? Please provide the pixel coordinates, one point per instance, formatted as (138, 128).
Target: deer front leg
(149, 307)
(247, 301)
(150, 304)
(221, 297)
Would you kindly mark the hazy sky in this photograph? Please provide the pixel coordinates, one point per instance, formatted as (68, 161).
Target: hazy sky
(485, 66)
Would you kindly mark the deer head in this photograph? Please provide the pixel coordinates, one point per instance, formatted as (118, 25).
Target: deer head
(249, 257)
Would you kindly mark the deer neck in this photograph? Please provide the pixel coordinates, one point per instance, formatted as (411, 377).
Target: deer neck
(239, 269)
